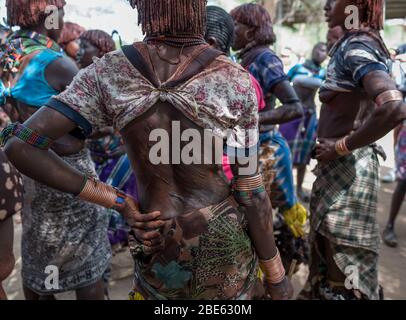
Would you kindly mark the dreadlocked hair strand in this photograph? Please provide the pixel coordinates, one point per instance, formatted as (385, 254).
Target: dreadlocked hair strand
(176, 17)
(29, 13)
(374, 13)
(70, 32)
(220, 26)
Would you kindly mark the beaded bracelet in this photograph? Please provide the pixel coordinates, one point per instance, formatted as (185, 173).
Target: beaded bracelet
(273, 269)
(25, 134)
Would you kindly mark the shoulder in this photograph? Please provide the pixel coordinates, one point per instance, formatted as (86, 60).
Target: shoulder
(229, 67)
(228, 63)
(61, 72)
(365, 43)
(63, 64)
(114, 64)
(268, 58)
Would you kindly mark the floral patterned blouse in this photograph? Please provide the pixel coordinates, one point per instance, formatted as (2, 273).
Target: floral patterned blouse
(112, 92)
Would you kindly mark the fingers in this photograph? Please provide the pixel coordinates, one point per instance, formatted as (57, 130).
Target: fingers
(152, 250)
(153, 243)
(148, 217)
(158, 224)
(145, 236)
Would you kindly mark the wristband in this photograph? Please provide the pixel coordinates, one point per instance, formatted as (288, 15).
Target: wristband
(273, 269)
(342, 148)
(97, 192)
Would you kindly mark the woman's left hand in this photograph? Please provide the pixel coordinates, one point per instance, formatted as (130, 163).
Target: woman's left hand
(326, 150)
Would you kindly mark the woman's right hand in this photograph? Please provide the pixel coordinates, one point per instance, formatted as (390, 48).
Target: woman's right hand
(145, 228)
(282, 291)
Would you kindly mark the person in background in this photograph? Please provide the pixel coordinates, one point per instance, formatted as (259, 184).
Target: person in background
(254, 34)
(11, 203)
(93, 44)
(301, 134)
(58, 229)
(209, 236)
(69, 39)
(389, 234)
(112, 164)
(344, 234)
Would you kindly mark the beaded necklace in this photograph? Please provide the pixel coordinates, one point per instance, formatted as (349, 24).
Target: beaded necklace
(177, 41)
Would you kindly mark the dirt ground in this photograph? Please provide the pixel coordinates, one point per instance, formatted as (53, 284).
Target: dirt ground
(392, 261)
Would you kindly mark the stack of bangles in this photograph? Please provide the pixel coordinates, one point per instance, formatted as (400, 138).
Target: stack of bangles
(245, 189)
(342, 148)
(273, 270)
(97, 192)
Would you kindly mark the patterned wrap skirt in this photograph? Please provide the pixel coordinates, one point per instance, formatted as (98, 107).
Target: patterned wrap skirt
(65, 234)
(343, 211)
(208, 255)
(277, 170)
(301, 135)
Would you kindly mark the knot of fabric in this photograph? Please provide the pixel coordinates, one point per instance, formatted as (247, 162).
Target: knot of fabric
(174, 95)
(4, 93)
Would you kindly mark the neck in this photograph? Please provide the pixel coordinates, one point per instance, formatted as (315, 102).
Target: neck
(40, 30)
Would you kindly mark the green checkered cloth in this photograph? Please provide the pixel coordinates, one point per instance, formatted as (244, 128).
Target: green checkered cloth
(366, 264)
(344, 200)
(343, 210)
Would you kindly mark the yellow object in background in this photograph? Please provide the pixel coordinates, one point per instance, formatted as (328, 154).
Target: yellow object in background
(296, 219)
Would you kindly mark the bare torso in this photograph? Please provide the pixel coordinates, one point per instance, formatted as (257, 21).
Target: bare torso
(341, 113)
(171, 189)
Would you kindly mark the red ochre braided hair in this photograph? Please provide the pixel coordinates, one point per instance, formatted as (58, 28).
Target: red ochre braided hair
(29, 13)
(174, 17)
(256, 16)
(100, 39)
(70, 32)
(373, 13)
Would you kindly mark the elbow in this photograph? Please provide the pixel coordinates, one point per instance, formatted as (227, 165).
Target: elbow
(300, 110)
(13, 150)
(297, 111)
(9, 148)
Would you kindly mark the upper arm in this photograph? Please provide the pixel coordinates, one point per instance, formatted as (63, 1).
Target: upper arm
(82, 102)
(285, 92)
(50, 123)
(80, 105)
(60, 73)
(360, 59)
(402, 49)
(307, 82)
(377, 82)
